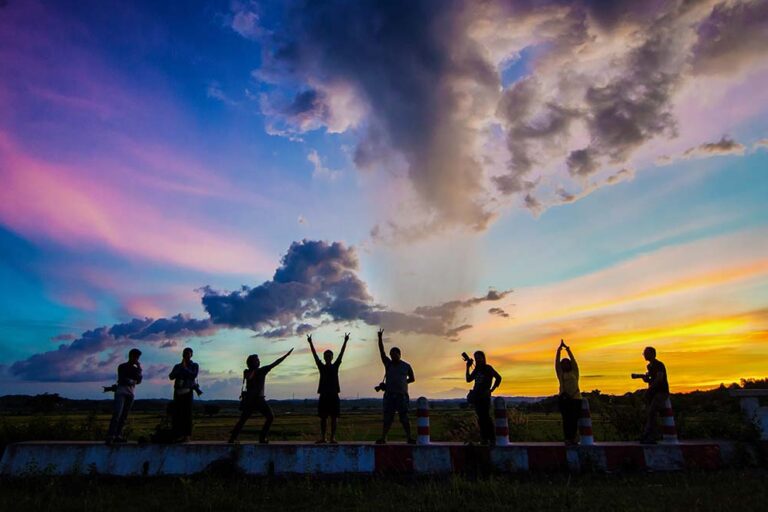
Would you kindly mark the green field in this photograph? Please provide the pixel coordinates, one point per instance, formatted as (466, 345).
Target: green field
(742, 490)
(297, 422)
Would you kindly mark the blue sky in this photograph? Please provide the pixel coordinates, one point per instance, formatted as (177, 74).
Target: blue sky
(589, 173)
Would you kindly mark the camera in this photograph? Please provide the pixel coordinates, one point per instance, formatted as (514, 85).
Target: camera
(381, 387)
(638, 375)
(197, 390)
(110, 389)
(466, 358)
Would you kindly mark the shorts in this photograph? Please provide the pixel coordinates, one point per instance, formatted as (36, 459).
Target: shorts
(329, 405)
(396, 403)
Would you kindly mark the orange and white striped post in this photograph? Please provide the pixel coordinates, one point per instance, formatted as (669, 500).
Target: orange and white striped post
(585, 424)
(501, 422)
(668, 429)
(422, 421)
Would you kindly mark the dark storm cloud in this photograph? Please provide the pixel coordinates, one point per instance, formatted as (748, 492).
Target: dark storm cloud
(411, 63)
(731, 36)
(429, 75)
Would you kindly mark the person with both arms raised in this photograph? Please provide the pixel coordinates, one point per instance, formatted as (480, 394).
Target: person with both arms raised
(328, 388)
(569, 398)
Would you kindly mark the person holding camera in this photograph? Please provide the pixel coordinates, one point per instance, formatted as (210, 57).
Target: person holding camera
(328, 388)
(398, 374)
(184, 377)
(569, 398)
(253, 399)
(128, 376)
(486, 379)
(656, 395)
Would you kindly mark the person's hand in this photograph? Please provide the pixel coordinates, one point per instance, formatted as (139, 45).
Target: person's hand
(309, 339)
(346, 337)
(381, 334)
(562, 344)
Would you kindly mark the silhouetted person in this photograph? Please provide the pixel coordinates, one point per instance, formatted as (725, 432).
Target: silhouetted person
(254, 377)
(128, 376)
(486, 380)
(656, 395)
(569, 398)
(184, 377)
(398, 374)
(328, 388)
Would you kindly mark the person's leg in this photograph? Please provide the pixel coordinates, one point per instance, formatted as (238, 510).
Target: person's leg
(572, 420)
(334, 421)
(565, 413)
(244, 415)
(388, 416)
(323, 428)
(652, 412)
(483, 412)
(269, 417)
(117, 411)
(127, 404)
(402, 413)
(187, 420)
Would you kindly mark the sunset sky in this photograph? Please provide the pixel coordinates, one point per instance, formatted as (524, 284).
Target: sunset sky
(233, 175)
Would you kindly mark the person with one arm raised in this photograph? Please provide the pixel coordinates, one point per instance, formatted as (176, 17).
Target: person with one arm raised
(328, 388)
(486, 379)
(398, 374)
(253, 399)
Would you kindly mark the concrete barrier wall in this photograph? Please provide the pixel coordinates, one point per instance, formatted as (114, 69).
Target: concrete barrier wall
(63, 458)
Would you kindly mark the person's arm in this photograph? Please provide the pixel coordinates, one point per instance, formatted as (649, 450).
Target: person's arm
(558, 370)
(343, 348)
(314, 352)
(174, 372)
(470, 376)
(138, 374)
(411, 377)
(573, 359)
(496, 380)
(278, 361)
(384, 359)
(193, 370)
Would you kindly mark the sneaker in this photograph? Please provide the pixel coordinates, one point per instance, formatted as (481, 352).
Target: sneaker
(109, 441)
(333, 441)
(232, 440)
(320, 441)
(381, 441)
(263, 440)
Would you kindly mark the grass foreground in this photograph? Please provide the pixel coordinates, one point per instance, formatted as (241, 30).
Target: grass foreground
(741, 490)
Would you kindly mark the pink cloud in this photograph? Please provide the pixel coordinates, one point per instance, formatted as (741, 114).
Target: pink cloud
(44, 200)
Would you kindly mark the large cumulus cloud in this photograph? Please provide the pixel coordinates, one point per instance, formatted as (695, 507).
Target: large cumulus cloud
(316, 283)
(427, 80)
